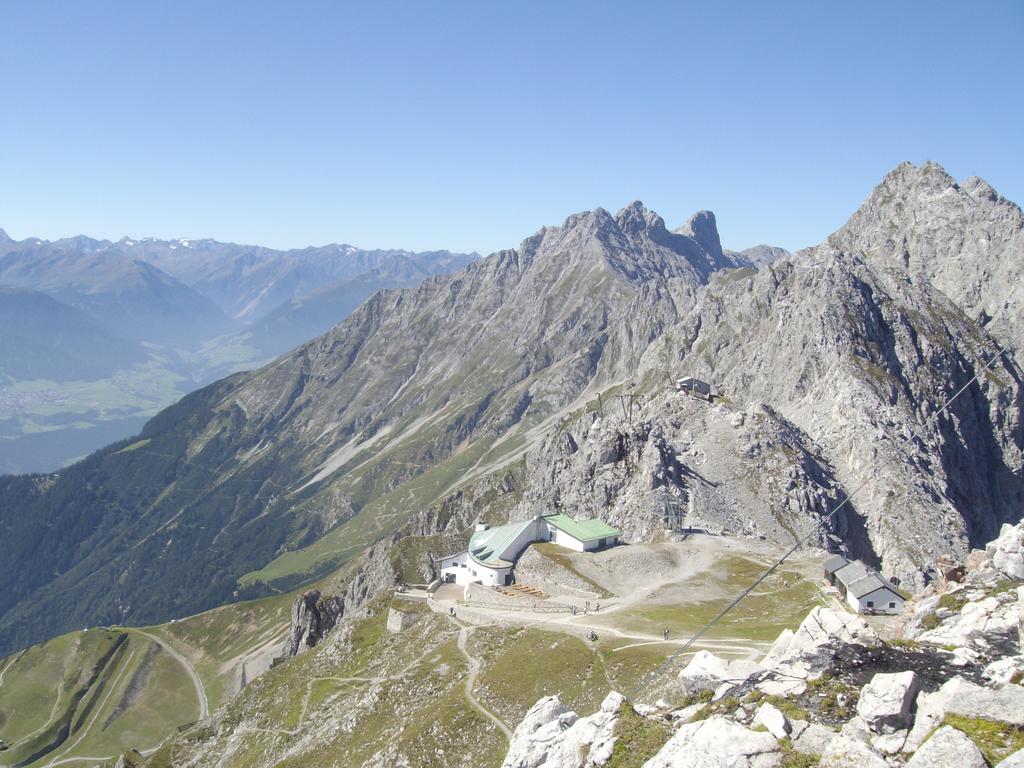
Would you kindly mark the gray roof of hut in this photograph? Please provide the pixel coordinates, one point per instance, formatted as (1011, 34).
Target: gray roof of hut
(860, 580)
(834, 563)
(851, 572)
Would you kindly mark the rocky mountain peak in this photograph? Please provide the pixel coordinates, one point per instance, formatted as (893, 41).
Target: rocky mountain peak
(4, 237)
(964, 239)
(636, 218)
(703, 228)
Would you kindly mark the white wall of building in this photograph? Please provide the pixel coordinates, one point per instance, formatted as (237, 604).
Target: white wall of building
(491, 577)
(465, 570)
(455, 565)
(880, 599)
(563, 539)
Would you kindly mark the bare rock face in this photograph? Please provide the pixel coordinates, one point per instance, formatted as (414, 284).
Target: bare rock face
(964, 238)
(313, 616)
(669, 462)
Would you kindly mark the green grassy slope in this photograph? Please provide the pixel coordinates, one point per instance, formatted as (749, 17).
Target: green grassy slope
(101, 692)
(373, 698)
(91, 693)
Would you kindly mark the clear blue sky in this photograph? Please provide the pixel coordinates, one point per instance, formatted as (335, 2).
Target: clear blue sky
(470, 125)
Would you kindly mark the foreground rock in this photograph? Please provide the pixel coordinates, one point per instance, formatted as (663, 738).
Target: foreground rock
(707, 672)
(769, 716)
(798, 657)
(835, 691)
(948, 747)
(848, 752)
(1007, 552)
(718, 743)
(886, 701)
(552, 736)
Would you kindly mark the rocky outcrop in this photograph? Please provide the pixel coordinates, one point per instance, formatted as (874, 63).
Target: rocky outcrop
(668, 463)
(948, 747)
(313, 616)
(552, 736)
(717, 743)
(885, 703)
(1007, 552)
(796, 658)
(707, 672)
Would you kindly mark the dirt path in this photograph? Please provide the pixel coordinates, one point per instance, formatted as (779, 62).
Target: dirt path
(7, 666)
(578, 625)
(204, 706)
(474, 672)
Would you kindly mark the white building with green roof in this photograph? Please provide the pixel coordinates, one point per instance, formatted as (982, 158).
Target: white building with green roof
(493, 551)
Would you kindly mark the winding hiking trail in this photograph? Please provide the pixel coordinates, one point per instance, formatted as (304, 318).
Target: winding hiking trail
(4, 670)
(474, 672)
(204, 706)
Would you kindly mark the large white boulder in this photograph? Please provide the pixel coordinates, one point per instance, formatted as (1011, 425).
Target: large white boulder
(885, 703)
(771, 717)
(552, 736)
(1007, 551)
(1005, 704)
(947, 748)
(1001, 671)
(717, 743)
(810, 738)
(707, 672)
(848, 752)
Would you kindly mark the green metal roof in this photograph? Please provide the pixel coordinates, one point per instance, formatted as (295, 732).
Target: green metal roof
(583, 530)
(487, 547)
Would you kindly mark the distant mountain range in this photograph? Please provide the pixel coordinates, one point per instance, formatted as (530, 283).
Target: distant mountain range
(102, 334)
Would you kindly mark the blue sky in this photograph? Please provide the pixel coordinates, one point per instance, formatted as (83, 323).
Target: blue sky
(470, 125)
